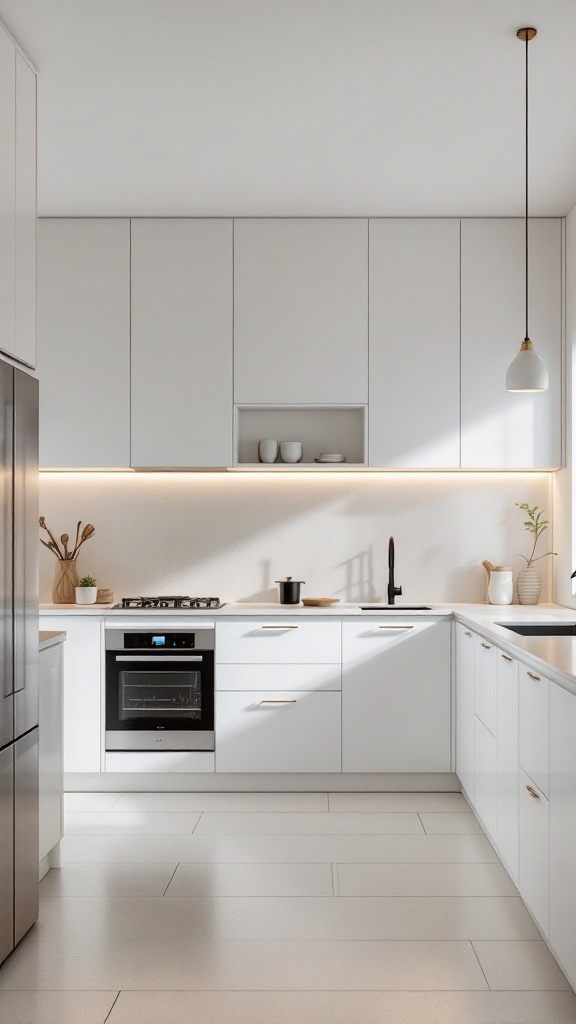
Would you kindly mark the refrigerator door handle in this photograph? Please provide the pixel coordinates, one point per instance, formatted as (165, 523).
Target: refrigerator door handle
(25, 552)
(6, 521)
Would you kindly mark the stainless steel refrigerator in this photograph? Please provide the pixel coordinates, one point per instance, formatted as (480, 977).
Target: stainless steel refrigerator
(18, 655)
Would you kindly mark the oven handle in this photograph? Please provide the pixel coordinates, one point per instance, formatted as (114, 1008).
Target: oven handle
(153, 658)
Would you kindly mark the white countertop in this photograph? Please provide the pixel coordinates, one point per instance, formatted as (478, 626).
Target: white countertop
(234, 609)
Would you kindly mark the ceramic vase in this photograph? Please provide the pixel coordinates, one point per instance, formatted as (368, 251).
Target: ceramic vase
(529, 586)
(86, 595)
(65, 581)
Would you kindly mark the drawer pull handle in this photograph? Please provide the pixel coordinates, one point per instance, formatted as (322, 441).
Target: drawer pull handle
(506, 658)
(532, 676)
(486, 647)
(278, 627)
(395, 627)
(278, 702)
(466, 633)
(533, 792)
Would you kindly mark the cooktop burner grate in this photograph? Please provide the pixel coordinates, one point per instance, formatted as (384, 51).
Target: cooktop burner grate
(170, 601)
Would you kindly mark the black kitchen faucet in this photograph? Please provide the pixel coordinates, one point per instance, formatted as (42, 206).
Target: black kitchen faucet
(393, 591)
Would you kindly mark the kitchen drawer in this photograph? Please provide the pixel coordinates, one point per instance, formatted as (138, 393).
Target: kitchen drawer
(534, 727)
(296, 732)
(280, 642)
(159, 761)
(534, 852)
(278, 677)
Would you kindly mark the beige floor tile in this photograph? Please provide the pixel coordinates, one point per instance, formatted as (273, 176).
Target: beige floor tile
(520, 966)
(55, 1007)
(224, 802)
(424, 880)
(80, 958)
(344, 1008)
(397, 802)
(448, 824)
(309, 824)
(280, 849)
(90, 801)
(252, 880)
(194, 919)
(108, 880)
(105, 823)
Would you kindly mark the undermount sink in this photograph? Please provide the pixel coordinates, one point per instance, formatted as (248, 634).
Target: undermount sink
(395, 608)
(541, 628)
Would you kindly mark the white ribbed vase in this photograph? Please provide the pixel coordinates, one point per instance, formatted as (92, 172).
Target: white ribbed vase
(529, 585)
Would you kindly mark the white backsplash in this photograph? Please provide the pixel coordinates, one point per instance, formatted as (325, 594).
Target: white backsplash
(232, 535)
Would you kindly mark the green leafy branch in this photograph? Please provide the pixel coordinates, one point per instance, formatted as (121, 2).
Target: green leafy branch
(536, 525)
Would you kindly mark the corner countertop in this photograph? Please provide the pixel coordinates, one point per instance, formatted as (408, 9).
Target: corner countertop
(47, 638)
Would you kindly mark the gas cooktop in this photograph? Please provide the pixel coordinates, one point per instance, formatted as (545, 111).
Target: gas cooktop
(171, 601)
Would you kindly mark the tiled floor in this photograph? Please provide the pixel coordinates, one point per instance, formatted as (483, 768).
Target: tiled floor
(285, 908)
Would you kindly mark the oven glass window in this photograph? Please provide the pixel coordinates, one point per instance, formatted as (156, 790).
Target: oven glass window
(142, 694)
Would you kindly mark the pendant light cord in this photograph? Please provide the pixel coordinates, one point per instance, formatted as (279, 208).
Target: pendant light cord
(526, 203)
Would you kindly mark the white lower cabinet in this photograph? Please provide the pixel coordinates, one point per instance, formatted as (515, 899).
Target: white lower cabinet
(506, 834)
(563, 829)
(534, 728)
(534, 853)
(278, 731)
(485, 775)
(396, 696)
(50, 749)
(81, 689)
(276, 643)
(465, 648)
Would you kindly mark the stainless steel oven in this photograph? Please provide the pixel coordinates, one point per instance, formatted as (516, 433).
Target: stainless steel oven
(159, 689)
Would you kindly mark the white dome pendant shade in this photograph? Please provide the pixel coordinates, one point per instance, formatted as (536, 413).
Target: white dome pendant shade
(527, 371)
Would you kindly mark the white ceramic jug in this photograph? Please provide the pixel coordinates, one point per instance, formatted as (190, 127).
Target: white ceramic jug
(499, 584)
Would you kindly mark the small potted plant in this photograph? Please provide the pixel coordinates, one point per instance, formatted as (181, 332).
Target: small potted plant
(529, 580)
(86, 591)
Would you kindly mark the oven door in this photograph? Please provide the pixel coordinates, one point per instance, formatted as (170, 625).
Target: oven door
(160, 700)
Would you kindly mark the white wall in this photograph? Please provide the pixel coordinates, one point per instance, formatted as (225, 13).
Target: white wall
(233, 534)
(563, 484)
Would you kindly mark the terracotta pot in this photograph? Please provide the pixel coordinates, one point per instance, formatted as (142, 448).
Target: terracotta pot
(529, 585)
(65, 581)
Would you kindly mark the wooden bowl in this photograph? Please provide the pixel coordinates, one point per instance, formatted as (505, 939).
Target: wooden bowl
(319, 602)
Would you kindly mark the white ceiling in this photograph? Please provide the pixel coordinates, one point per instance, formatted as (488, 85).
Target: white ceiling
(311, 107)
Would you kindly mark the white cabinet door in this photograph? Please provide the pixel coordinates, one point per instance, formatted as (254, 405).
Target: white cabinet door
(534, 727)
(50, 748)
(563, 828)
(81, 691)
(414, 343)
(181, 342)
(277, 643)
(278, 677)
(507, 763)
(301, 311)
(502, 430)
(396, 696)
(84, 342)
(7, 116)
(485, 775)
(25, 212)
(278, 731)
(534, 853)
(7, 275)
(485, 684)
(465, 649)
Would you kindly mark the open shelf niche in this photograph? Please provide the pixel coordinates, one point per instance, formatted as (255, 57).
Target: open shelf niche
(320, 428)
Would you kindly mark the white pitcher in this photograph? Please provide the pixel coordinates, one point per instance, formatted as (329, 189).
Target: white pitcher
(499, 584)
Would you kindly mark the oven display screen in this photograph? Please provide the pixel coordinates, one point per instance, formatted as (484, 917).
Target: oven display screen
(158, 641)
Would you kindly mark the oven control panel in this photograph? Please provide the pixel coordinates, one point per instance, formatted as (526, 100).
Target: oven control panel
(159, 641)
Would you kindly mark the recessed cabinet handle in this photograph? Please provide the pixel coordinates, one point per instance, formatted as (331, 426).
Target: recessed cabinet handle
(532, 676)
(395, 627)
(467, 634)
(506, 658)
(278, 627)
(486, 647)
(533, 792)
(278, 702)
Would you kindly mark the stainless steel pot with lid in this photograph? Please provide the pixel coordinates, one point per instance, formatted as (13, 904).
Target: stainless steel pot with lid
(290, 590)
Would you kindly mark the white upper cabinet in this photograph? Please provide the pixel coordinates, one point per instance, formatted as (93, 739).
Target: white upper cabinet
(414, 343)
(181, 343)
(502, 430)
(7, 194)
(25, 212)
(301, 311)
(84, 342)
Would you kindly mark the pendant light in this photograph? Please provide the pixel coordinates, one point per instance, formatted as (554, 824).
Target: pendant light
(527, 371)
